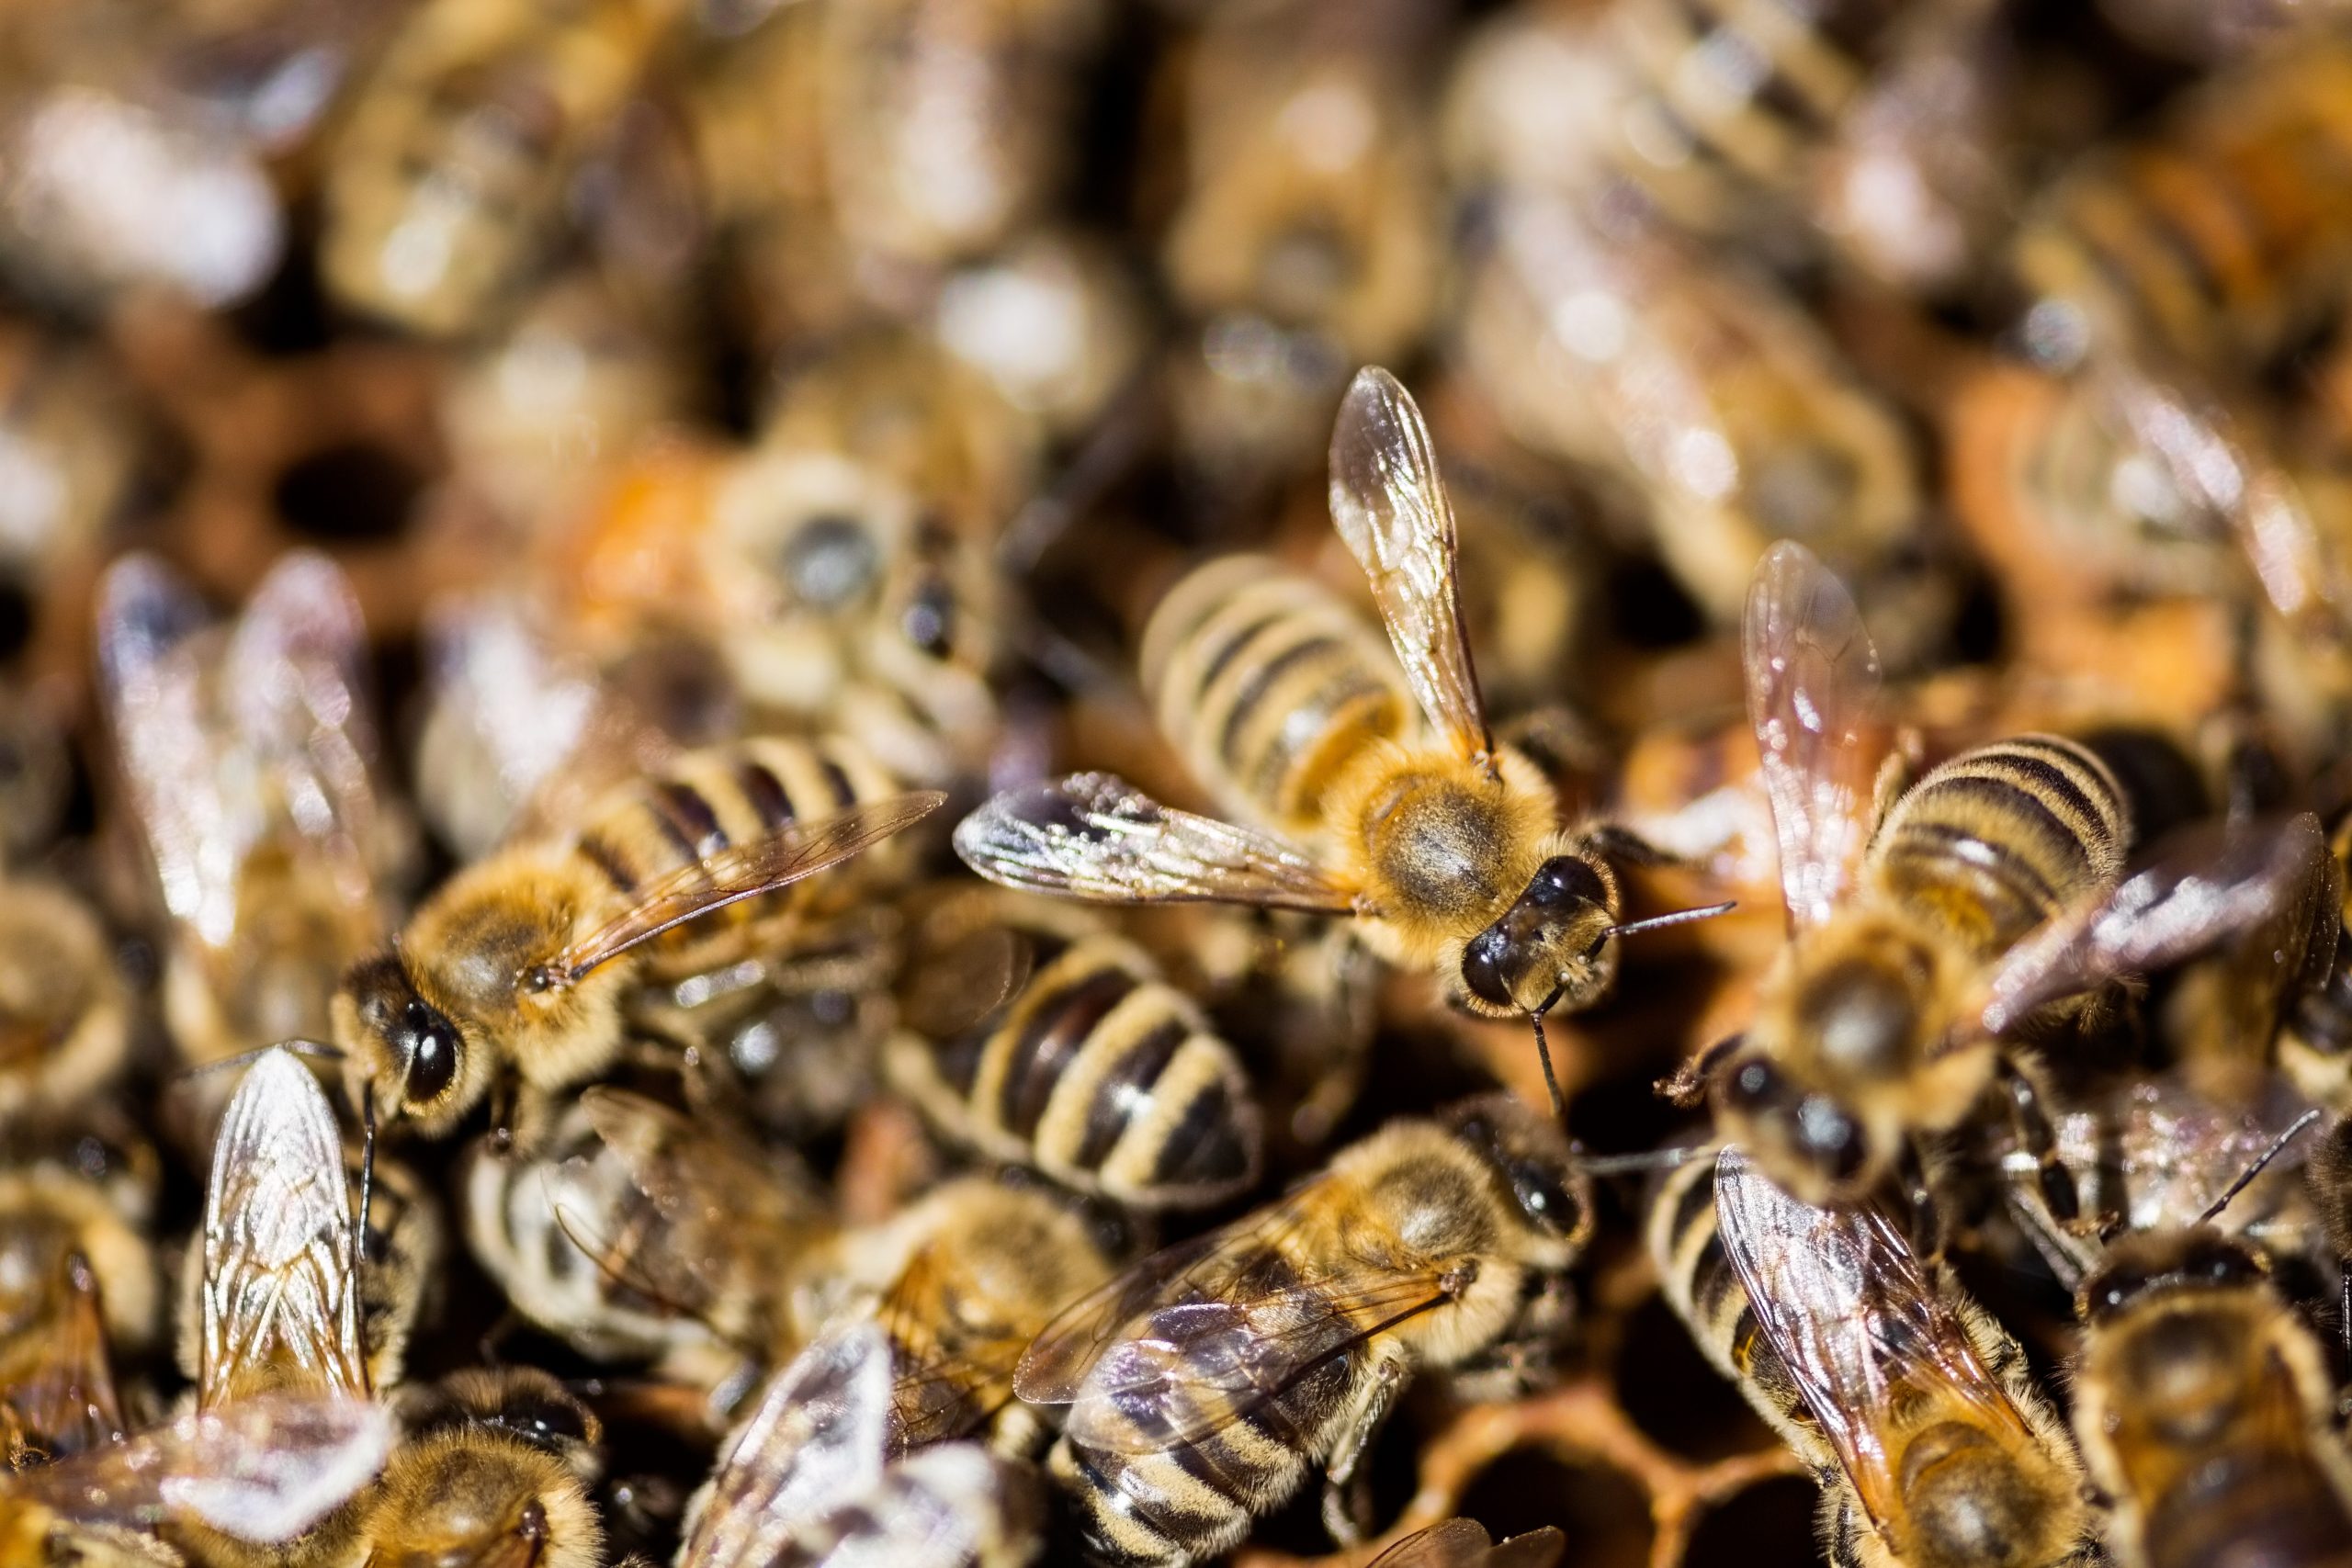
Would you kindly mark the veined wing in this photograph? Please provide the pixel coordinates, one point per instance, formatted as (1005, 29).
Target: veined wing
(1463, 1543)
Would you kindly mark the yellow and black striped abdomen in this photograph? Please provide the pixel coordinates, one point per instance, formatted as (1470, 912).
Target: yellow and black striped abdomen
(1269, 687)
(706, 805)
(2001, 838)
(1101, 1075)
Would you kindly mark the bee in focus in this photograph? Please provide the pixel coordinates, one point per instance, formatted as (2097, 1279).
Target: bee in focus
(811, 1477)
(1948, 1453)
(1463, 1543)
(1449, 857)
(492, 1466)
(1933, 924)
(516, 968)
(1437, 1245)
(1091, 1069)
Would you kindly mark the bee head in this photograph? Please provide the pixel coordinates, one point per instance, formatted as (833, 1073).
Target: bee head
(2188, 1257)
(1805, 1139)
(1532, 1157)
(403, 1053)
(1552, 943)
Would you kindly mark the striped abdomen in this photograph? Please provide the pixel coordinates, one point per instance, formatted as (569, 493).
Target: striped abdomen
(1269, 687)
(1101, 1075)
(2001, 838)
(702, 806)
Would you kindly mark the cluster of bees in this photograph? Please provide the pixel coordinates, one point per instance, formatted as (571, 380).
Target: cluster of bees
(763, 897)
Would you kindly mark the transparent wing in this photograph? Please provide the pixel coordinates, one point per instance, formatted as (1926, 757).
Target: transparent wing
(263, 1470)
(1840, 1296)
(1096, 836)
(967, 1379)
(1813, 697)
(1463, 1543)
(941, 1508)
(280, 1307)
(1390, 506)
(746, 870)
(152, 682)
(66, 1403)
(2204, 886)
(815, 1441)
(1198, 1335)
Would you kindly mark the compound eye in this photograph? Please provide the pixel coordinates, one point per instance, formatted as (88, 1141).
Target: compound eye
(1564, 881)
(1545, 1198)
(1753, 1084)
(1832, 1139)
(544, 1423)
(1482, 968)
(429, 1044)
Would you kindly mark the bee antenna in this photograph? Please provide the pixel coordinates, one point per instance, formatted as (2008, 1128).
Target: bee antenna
(1544, 1055)
(1649, 1159)
(2246, 1175)
(246, 1058)
(1677, 918)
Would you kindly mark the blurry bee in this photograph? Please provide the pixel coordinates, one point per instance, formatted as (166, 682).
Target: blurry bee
(2214, 241)
(445, 184)
(64, 1015)
(493, 1467)
(1930, 924)
(517, 966)
(1092, 1068)
(71, 435)
(1602, 341)
(77, 1283)
(2205, 1408)
(1463, 1543)
(1056, 323)
(1450, 858)
(253, 1477)
(1948, 1454)
(810, 1477)
(248, 755)
(1432, 1244)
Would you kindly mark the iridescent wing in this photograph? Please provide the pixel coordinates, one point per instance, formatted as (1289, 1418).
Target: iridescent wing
(1198, 1335)
(745, 871)
(279, 1305)
(1813, 697)
(1390, 507)
(2204, 886)
(1463, 1543)
(1096, 836)
(815, 1442)
(263, 1470)
(1839, 1295)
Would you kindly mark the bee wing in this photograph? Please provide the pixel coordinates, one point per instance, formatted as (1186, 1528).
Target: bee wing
(1096, 836)
(150, 680)
(815, 1441)
(1463, 1543)
(1813, 698)
(954, 1392)
(956, 985)
(1184, 1343)
(746, 870)
(2207, 884)
(947, 1505)
(279, 1302)
(66, 1403)
(1390, 507)
(263, 1470)
(296, 685)
(1840, 1296)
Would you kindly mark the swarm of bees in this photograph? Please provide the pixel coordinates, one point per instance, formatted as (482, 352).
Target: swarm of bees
(1015, 782)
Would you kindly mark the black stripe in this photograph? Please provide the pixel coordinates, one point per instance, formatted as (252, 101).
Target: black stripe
(1049, 1038)
(692, 813)
(1230, 649)
(1253, 690)
(602, 855)
(2010, 801)
(671, 830)
(837, 778)
(2024, 878)
(1126, 1090)
(2032, 753)
(1204, 1146)
(767, 796)
(1697, 1198)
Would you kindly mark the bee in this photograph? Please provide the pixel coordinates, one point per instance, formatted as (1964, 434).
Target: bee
(2205, 1408)
(445, 185)
(1987, 898)
(258, 1474)
(810, 1477)
(2114, 263)
(64, 1011)
(1432, 1244)
(248, 755)
(1093, 1068)
(518, 965)
(492, 1466)
(1448, 856)
(70, 421)
(1949, 1453)
(1463, 1543)
(77, 1283)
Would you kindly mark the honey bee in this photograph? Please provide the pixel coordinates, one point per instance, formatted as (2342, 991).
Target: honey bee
(65, 1014)
(2205, 1408)
(1204, 1385)
(518, 965)
(492, 1467)
(1449, 858)
(1093, 1069)
(1986, 896)
(77, 1283)
(811, 1477)
(445, 185)
(1948, 1454)
(70, 424)
(257, 1475)
(248, 755)
(1463, 1543)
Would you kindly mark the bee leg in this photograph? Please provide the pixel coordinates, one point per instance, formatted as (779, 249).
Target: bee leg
(2039, 1138)
(1342, 1499)
(1927, 1216)
(1620, 845)
(1688, 1084)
